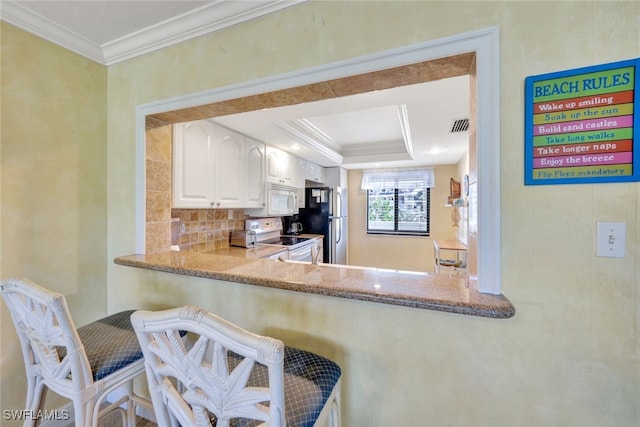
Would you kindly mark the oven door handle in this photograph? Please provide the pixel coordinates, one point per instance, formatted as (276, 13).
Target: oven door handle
(301, 254)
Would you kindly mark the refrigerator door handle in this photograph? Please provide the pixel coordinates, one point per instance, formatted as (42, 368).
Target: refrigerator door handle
(332, 240)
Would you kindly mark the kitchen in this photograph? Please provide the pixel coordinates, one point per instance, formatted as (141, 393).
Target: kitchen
(282, 168)
(206, 233)
(232, 190)
(208, 229)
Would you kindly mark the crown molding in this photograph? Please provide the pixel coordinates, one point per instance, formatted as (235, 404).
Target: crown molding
(203, 20)
(16, 14)
(304, 132)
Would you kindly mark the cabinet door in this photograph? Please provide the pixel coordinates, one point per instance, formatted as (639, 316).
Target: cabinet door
(193, 164)
(280, 167)
(299, 181)
(255, 164)
(287, 168)
(273, 165)
(314, 172)
(230, 171)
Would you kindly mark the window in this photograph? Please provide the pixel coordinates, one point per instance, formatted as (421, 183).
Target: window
(398, 201)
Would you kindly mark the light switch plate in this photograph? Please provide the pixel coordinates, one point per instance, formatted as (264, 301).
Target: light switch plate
(610, 239)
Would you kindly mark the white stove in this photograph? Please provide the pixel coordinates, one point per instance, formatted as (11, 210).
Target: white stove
(269, 232)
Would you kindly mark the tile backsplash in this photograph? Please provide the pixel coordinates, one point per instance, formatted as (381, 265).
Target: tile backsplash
(207, 229)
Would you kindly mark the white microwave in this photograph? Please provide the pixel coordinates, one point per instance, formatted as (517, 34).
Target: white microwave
(280, 200)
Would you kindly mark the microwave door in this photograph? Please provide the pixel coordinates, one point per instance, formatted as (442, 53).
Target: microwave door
(281, 202)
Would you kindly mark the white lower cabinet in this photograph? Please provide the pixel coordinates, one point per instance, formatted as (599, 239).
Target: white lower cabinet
(214, 167)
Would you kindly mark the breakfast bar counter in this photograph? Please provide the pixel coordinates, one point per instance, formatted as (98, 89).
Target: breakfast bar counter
(441, 292)
(251, 253)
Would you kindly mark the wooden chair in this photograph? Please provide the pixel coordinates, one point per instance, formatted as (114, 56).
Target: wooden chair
(83, 365)
(226, 376)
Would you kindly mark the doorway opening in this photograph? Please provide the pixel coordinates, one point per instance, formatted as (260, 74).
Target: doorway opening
(474, 54)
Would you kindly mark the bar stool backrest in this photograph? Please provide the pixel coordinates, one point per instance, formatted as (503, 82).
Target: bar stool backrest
(204, 382)
(47, 331)
(86, 365)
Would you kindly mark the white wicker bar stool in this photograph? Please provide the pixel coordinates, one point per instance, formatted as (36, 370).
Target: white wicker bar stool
(222, 375)
(84, 364)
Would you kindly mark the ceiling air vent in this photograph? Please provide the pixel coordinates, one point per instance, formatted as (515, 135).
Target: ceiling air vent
(459, 125)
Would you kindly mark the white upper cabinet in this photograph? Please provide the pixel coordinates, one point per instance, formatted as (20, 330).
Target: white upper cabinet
(214, 167)
(255, 163)
(280, 167)
(229, 175)
(314, 172)
(193, 181)
(299, 181)
(300, 172)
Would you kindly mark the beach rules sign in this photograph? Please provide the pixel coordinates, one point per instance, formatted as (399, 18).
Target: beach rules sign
(583, 125)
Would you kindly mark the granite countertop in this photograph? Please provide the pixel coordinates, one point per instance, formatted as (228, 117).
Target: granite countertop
(439, 292)
(253, 252)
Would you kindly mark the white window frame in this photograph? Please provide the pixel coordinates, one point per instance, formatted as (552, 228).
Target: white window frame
(381, 179)
(396, 213)
(484, 42)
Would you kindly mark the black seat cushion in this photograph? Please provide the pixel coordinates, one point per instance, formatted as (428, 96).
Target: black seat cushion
(110, 344)
(309, 380)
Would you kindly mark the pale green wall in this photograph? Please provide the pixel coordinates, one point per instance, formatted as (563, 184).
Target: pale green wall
(53, 175)
(570, 355)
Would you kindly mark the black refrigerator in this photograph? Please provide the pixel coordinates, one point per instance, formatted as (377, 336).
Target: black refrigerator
(325, 213)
